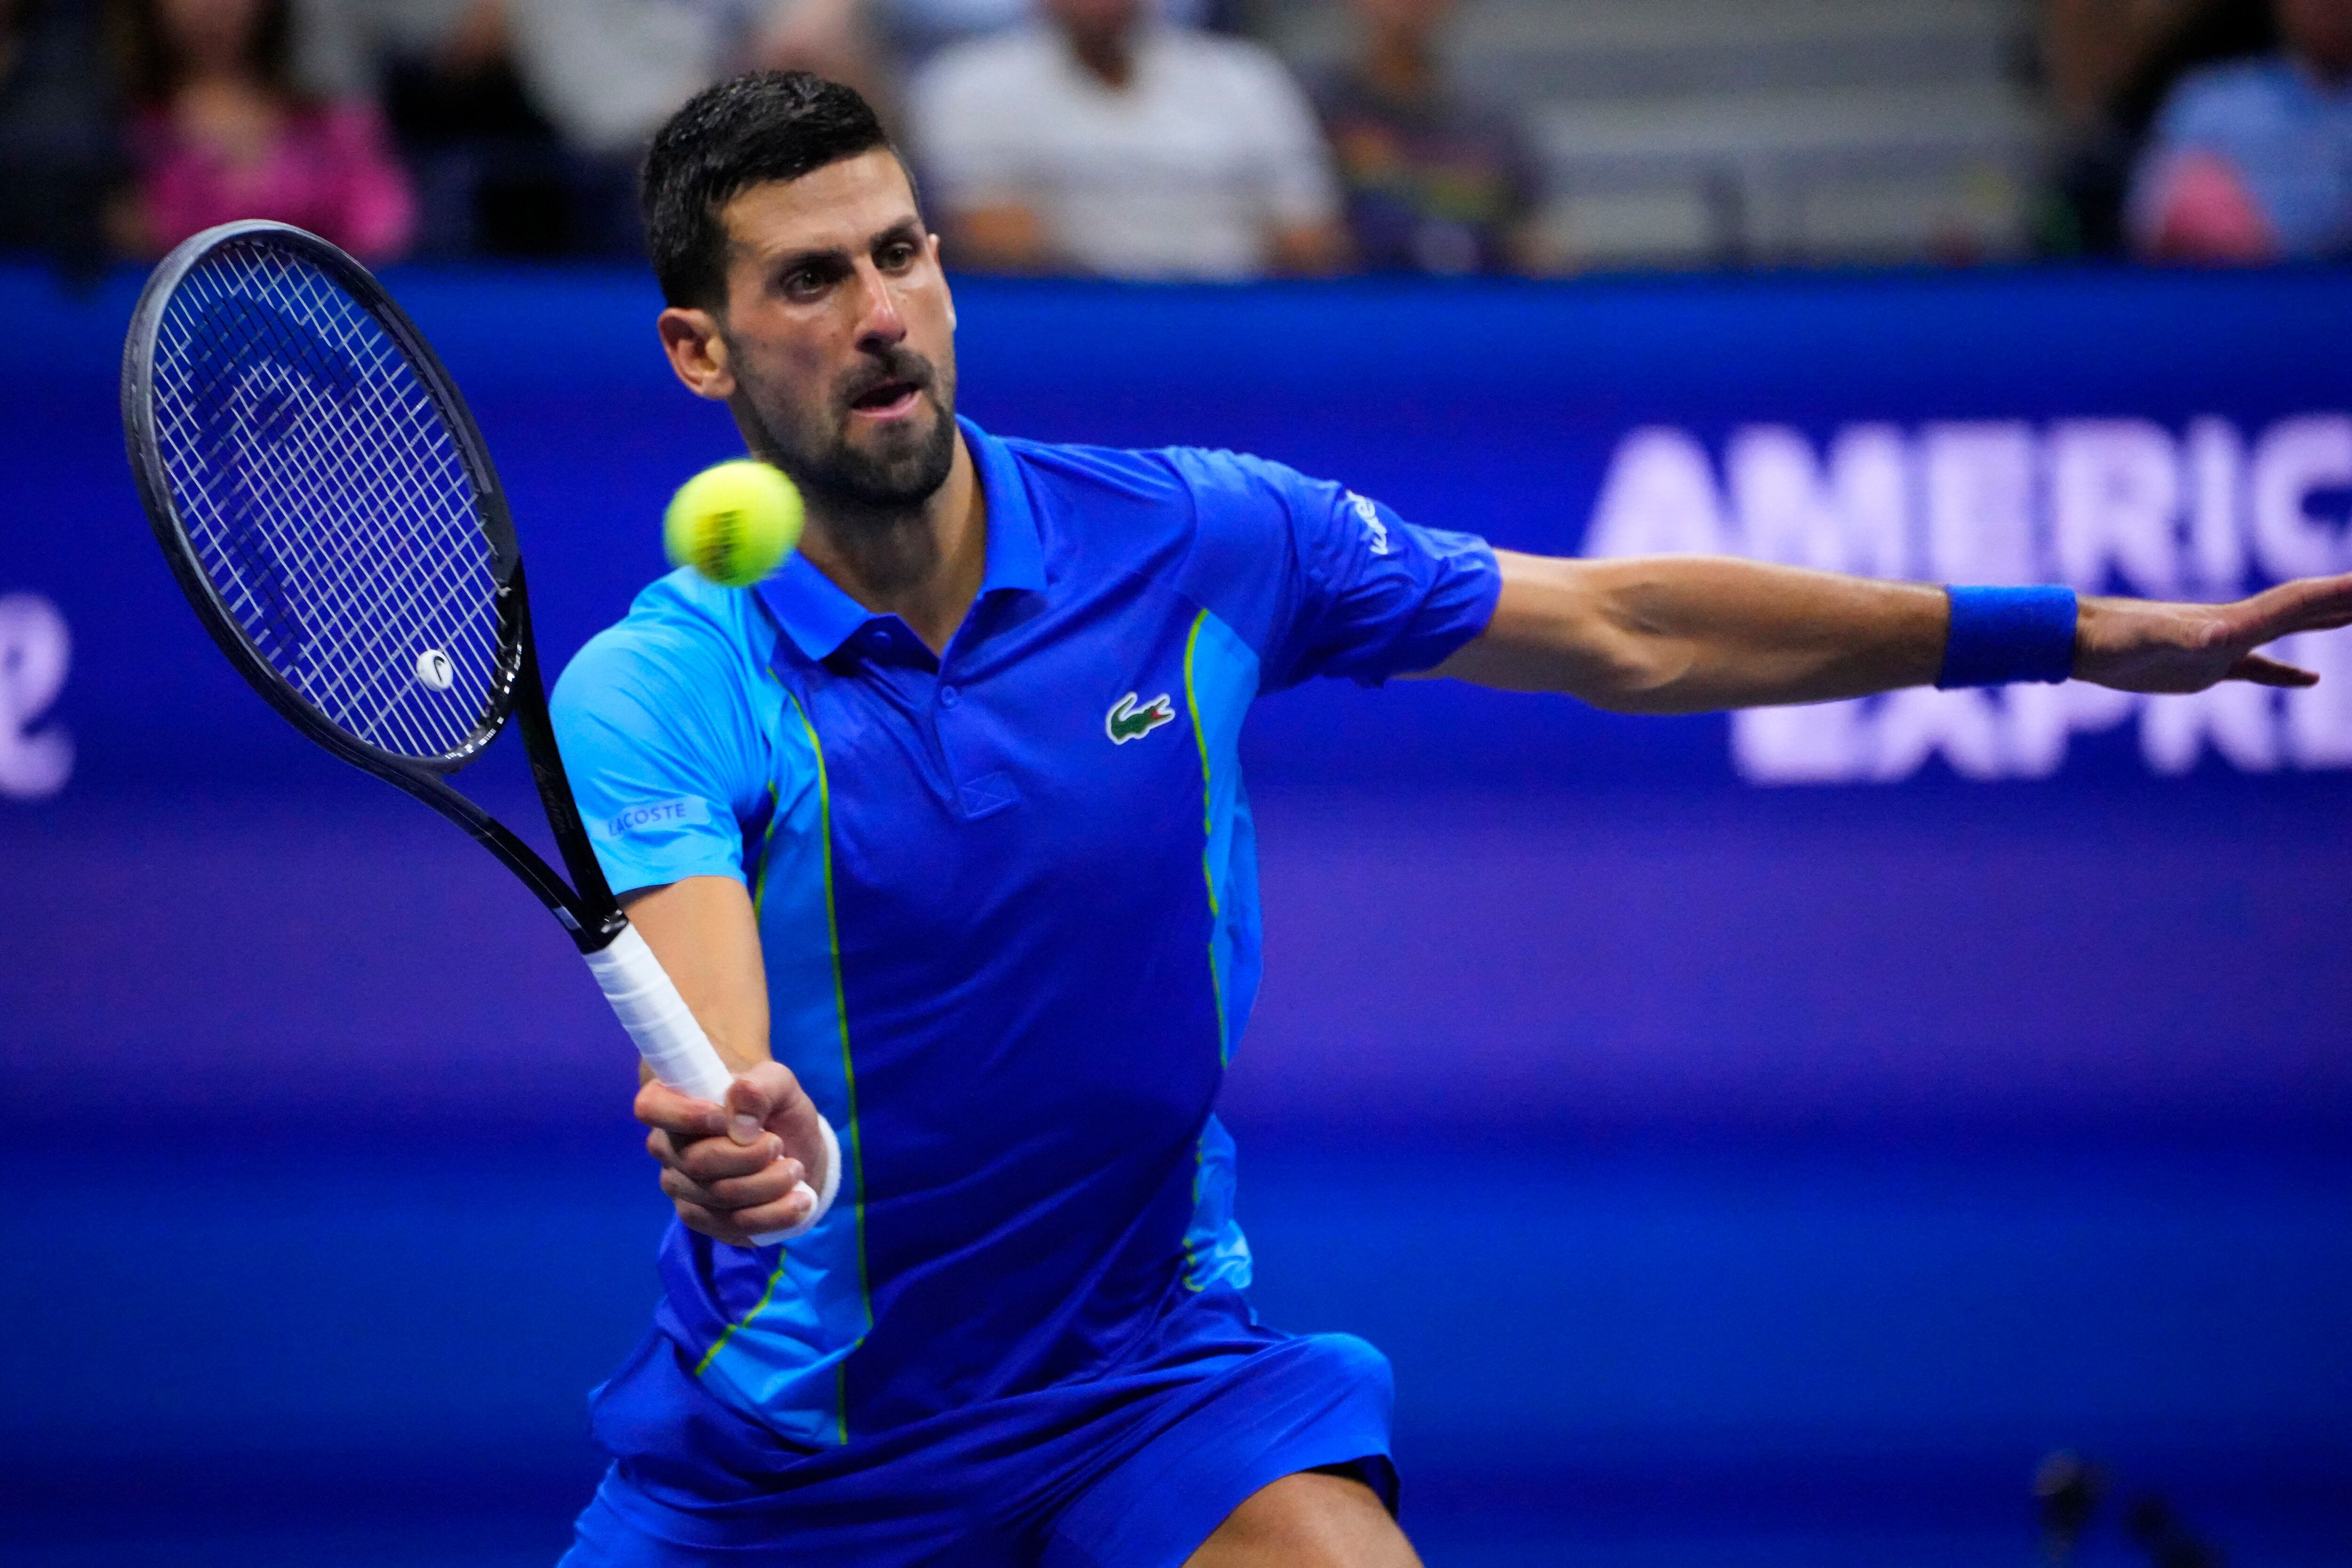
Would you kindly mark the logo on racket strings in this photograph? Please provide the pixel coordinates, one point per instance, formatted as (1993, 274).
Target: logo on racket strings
(434, 671)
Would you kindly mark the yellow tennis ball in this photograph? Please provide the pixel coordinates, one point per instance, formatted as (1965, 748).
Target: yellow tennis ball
(734, 523)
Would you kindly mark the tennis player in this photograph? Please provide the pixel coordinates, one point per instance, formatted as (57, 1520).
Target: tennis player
(940, 831)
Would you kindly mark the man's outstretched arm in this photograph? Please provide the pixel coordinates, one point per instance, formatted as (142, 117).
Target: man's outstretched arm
(1684, 634)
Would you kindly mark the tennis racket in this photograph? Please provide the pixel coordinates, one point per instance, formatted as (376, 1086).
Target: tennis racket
(330, 510)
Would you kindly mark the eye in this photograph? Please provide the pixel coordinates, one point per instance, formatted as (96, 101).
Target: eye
(805, 282)
(896, 255)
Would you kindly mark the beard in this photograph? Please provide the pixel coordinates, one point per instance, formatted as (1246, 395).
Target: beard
(883, 481)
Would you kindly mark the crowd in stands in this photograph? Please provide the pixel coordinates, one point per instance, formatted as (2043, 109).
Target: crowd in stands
(1130, 138)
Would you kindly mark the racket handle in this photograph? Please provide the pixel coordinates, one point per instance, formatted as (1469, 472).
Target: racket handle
(672, 1042)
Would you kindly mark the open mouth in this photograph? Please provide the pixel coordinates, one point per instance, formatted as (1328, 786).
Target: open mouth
(891, 400)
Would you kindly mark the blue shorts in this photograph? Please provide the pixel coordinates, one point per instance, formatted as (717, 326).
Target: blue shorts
(1134, 1468)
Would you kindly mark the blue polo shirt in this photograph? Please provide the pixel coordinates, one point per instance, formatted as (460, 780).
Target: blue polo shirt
(1007, 901)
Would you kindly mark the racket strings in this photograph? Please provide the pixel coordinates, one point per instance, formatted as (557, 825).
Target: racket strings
(326, 500)
(355, 572)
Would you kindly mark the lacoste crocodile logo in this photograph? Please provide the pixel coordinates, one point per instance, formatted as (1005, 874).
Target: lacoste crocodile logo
(1125, 721)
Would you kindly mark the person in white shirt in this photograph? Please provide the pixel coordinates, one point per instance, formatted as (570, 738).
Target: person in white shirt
(1103, 141)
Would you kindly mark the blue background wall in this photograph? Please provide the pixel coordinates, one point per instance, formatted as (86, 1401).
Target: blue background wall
(1733, 1174)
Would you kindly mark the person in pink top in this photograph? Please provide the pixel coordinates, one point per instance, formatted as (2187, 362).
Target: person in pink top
(222, 132)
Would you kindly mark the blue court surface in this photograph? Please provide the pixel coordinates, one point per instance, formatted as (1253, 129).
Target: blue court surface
(1609, 1352)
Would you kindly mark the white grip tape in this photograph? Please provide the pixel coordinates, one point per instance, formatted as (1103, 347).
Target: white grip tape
(647, 1004)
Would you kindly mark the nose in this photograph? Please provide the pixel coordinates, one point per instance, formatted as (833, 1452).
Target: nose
(879, 325)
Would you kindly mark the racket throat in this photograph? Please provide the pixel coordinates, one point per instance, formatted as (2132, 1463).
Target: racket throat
(594, 917)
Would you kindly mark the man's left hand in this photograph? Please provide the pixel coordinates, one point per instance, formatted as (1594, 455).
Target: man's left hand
(2134, 644)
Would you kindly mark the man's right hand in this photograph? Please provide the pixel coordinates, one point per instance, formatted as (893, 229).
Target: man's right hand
(735, 1171)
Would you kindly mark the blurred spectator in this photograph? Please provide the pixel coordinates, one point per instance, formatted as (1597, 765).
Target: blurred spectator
(2111, 65)
(1107, 142)
(491, 173)
(60, 153)
(852, 41)
(223, 132)
(2252, 161)
(524, 119)
(608, 72)
(875, 44)
(1434, 181)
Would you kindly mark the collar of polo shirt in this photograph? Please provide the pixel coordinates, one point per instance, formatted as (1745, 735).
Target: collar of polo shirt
(819, 616)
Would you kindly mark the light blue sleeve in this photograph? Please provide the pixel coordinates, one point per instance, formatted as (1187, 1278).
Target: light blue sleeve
(664, 722)
(1321, 581)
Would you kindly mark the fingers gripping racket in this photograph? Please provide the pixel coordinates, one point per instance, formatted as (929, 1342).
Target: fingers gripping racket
(328, 508)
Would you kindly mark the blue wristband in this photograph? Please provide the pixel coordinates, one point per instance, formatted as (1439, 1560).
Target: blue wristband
(2001, 635)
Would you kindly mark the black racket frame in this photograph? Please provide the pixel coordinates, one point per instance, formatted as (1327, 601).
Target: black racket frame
(585, 906)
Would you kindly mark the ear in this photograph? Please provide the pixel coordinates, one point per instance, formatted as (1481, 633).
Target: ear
(696, 351)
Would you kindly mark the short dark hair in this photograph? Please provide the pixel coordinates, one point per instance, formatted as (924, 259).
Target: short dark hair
(744, 132)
